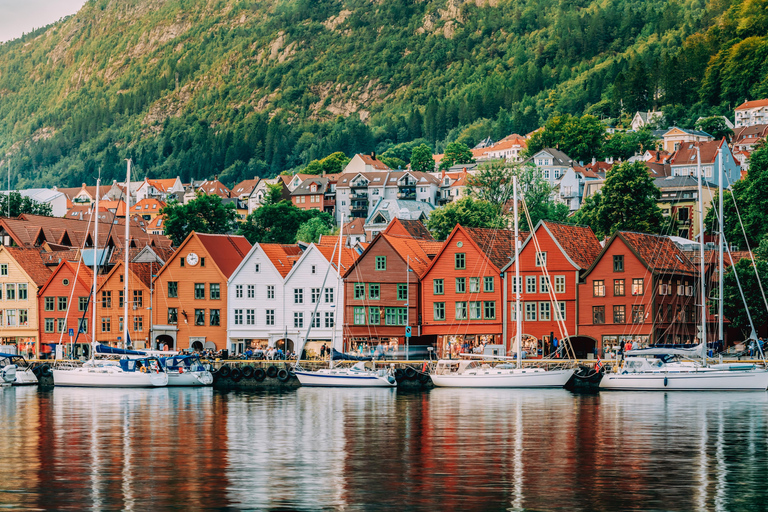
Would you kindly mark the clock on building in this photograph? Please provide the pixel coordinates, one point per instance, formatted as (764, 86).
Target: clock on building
(192, 259)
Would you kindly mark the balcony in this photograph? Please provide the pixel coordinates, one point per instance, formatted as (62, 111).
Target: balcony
(406, 194)
(358, 184)
(358, 208)
(358, 196)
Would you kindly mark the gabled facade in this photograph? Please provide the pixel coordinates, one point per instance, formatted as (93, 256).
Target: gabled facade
(685, 163)
(256, 198)
(162, 189)
(213, 187)
(190, 306)
(315, 193)
(387, 210)
(552, 163)
(751, 113)
(147, 209)
(572, 185)
(675, 137)
(679, 201)
(643, 119)
(111, 310)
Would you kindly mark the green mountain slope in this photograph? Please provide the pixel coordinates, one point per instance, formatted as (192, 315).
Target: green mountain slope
(243, 88)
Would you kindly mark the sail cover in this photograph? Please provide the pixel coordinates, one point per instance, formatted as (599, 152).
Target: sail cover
(106, 349)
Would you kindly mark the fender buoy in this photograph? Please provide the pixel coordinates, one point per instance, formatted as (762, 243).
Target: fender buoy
(224, 372)
(424, 378)
(665, 381)
(410, 373)
(399, 374)
(36, 371)
(391, 379)
(236, 374)
(247, 372)
(45, 370)
(259, 374)
(272, 372)
(282, 375)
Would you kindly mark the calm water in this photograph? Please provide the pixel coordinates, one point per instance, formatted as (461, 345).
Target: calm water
(343, 449)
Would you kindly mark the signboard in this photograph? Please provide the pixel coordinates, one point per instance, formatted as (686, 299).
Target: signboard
(71, 332)
(408, 331)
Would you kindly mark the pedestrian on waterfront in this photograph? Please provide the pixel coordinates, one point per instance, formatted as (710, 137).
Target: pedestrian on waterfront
(322, 351)
(628, 346)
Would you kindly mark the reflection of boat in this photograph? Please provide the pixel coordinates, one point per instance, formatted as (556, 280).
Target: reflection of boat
(186, 370)
(133, 370)
(355, 376)
(15, 370)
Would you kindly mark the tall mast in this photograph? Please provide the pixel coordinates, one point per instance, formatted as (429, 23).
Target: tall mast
(339, 302)
(701, 256)
(127, 246)
(95, 216)
(720, 243)
(516, 285)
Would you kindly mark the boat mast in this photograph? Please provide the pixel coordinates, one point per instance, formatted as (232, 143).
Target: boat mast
(127, 246)
(701, 256)
(516, 286)
(95, 216)
(720, 243)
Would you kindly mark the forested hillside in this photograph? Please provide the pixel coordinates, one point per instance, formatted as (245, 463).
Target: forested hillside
(242, 88)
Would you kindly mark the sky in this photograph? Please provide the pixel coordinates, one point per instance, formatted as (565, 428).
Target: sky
(18, 17)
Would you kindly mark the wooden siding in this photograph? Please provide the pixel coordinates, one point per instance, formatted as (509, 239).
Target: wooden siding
(19, 334)
(114, 285)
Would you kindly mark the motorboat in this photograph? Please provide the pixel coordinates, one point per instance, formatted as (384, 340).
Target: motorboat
(15, 370)
(469, 373)
(355, 376)
(133, 370)
(186, 370)
(666, 369)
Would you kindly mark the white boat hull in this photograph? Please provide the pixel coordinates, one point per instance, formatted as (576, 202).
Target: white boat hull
(342, 378)
(25, 378)
(190, 378)
(108, 377)
(702, 380)
(8, 374)
(504, 379)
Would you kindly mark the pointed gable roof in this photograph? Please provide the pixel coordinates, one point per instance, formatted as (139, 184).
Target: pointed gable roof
(496, 244)
(407, 227)
(330, 252)
(579, 243)
(658, 253)
(31, 262)
(84, 275)
(282, 256)
(227, 251)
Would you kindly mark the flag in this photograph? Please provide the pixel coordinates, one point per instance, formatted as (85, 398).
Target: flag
(598, 364)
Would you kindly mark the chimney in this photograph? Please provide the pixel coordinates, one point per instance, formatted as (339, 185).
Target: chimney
(373, 155)
(442, 175)
(658, 155)
(594, 160)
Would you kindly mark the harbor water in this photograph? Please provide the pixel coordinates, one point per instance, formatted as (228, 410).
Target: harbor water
(379, 449)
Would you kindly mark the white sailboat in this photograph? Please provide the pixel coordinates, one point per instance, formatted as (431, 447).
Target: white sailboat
(661, 369)
(133, 369)
(358, 375)
(468, 373)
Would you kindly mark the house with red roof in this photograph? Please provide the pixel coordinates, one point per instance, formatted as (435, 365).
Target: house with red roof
(686, 160)
(190, 302)
(315, 193)
(214, 187)
(159, 189)
(641, 288)
(148, 208)
(552, 260)
(751, 113)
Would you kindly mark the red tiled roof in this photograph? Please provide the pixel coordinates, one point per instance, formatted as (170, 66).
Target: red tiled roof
(282, 256)
(214, 187)
(227, 251)
(495, 243)
(686, 155)
(244, 187)
(330, 251)
(659, 253)
(579, 242)
(152, 205)
(374, 162)
(356, 227)
(32, 263)
(753, 104)
(407, 227)
(412, 250)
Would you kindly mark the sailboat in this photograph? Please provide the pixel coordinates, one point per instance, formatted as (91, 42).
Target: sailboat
(663, 369)
(134, 369)
(469, 373)
(357, 375)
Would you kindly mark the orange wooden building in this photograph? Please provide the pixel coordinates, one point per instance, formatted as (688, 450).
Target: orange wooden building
(110, 307)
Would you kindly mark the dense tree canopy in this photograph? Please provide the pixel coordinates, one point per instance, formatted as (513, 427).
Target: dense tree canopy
(204, 214)
(20, 204)
(314, 228)
(421, 159)
(456, 153)
(581, 138)
(468, 212)
(280, 222)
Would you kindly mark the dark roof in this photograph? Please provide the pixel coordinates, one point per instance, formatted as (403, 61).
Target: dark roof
(413, 228)
(681, 181)
(304, 187)
(560, 157)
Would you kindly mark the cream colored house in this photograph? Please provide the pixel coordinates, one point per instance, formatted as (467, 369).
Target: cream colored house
(676, 137)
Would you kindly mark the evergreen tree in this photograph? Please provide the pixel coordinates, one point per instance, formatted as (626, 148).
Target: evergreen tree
(421, 159)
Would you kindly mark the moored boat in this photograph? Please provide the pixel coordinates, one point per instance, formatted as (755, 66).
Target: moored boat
(466, 373)
(15, 370)
(357, 376)
(186, 370)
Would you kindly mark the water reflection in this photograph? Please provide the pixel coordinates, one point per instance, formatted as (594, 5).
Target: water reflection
(347, 449)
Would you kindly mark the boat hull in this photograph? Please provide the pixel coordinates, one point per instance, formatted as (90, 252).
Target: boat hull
(706, 380)
(519, 379)
(108, 378)
(190, 379)
(8, 374)
(347, 380)
(25, 378)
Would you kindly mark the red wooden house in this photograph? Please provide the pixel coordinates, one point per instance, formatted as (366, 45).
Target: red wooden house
(551, 264)
(642, 288)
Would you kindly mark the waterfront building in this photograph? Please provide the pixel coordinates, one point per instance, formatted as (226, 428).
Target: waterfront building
(640, 288)
(190, 306)
(551, 265)
(110, 306)
(22, 273)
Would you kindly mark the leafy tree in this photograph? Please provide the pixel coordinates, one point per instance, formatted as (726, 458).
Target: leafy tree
(579, 138)
(311, 230)
(204, 214)
(279, 223)
(21, 205)
(623, 145)
(716, 127)
(456, 153)
(332, 164)
(627, 202)
(421, 159)
(466, 211)
(733, 305)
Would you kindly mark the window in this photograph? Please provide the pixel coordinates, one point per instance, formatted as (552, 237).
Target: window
(637, 286)
(489, 309)
(250, 316)
(329, 295)
(48, 303)
(438, 310)
(359, 316)
(598, 288)
(298, 319)
(62, 303)
(22, 291)
(23, 317)
(374, 316)
(181, 263)
(298, 295)
(83, 325)
(202, 261)
(238, 291)
(461, 285)
(173, 316)
(488, 284)
(475, 310)
(314, 269)
(618, 287)
(329, 319)
(460, 260)
(271, 291)
(561, 305)
(474, 285)
(517, 284)
(359, 290)
(120, 324)
(251, 291)
(82, 303)
(530, 311)
(106, 300)
(173, 289)
(437, 287)
(663, 289)
(315, 293)
(402, 292)
(120, 299)
(215, 316)
(10, 317)
(638, 314)
(257, 268)
(619, 314)
(598, 314)
(61, 325)
(49, 323)
(270, 317)
(199, 317)
(559, 284)
(545, 311)
(199, 290)
(215, 290)
(138, 323)
(381, 263)
(106, 324)
(541, 259)
(543, 284)
(461, 311)
(138, 298)
(4, 269)
(618, 263)
(530, 284)
(374, 291)
(10, 291)
(395, 316)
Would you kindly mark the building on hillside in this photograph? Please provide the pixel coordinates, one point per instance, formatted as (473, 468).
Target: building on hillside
(52, 197)
(675, 138)
(160, 189)
(148, 208)
(256, 199)
(110, 305)
(214, 187)
(686, 160)
(81, 195)
(552, 260)
(354, 231)
(257, 299)
(462, 293)
(572, 185)
(453, 186)
(190, 306)
(22, 274)
(509, 149)
(552, 163)
(315, 193)
(641, 288)
(245, 188)
(679, 202)
(646, 119)
(387, 210)
(362, 163)
(751, 113)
